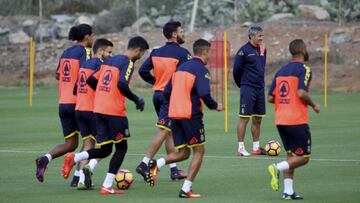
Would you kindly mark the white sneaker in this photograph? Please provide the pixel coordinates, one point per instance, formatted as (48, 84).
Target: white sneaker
(242, 152)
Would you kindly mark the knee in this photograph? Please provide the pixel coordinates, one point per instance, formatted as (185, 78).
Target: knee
(121, 146)
(256, 120)
(185, 153)
(243, 121)
(306, 160)
(71, 145)
(199, 150)
(106, 149)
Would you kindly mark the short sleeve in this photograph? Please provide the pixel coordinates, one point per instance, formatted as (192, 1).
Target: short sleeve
(305, 78)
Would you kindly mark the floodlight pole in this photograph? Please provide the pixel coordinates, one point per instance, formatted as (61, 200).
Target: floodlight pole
(193, 15)
(40, 21)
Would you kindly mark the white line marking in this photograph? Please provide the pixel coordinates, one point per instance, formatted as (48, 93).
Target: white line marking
(208, 156)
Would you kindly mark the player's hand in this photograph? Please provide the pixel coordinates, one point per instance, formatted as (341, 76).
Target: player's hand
(219, 107)
(316, 108)
(140, 103)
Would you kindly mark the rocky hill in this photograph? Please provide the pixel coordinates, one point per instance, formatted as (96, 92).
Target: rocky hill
(344, 44)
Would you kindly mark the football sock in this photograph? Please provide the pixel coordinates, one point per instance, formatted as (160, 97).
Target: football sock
(49, 157)
(288, 186)
(186, 186)
(146, 160)
(256, 145)
(81, 176)
(283, 166)
(81, 156)
(241, 145)
(173, 165)
(77, 173)
(160, 162)
(109, 179)
(118, 156)
(92, 163)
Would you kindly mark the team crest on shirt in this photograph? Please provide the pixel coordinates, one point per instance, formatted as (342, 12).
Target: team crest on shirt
(241, 53)
(82, 82)
(284, 90)
(189, 57)
(66, 71)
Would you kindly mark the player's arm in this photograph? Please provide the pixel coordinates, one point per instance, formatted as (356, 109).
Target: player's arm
(75, 87)
(238, 65)
(123, 85)
(93, 79)
(167, 90)
(271, 97)
(202, 85)
(85, 55)
(303, 88)
(57, 73)
(145, 71)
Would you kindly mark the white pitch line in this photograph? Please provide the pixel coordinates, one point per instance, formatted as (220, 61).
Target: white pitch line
(209, 156)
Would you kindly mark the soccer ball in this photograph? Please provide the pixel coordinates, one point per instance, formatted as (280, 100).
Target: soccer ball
(123, 179)
(273, 148)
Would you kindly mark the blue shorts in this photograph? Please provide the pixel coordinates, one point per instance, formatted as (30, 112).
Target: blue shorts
(162, 109)
(252, 101)
(87, 124)
(68, 121)
(296, 139)
(111, 129)
(188, 133)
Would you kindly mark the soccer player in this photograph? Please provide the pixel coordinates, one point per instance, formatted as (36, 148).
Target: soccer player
(67, 72)
(112, 87)
(289, 93)
(188, 86)
(85, 117)
(163, 61)
(248, 72)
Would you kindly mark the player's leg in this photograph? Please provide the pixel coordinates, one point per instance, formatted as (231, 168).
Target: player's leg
(104, 141)
(194, 167)
(87, 124)
(246, 110)
(163, 133)
(70, 132)
(114, 166)
(241, 130)
(258, 113)
(297, 142)
(119, 133)
(196, 140)
(255, 131)
(182, 153)
(156, 142)
(298, 157)
(175, 173)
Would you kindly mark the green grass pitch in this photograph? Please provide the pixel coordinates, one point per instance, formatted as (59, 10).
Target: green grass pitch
(333, 174)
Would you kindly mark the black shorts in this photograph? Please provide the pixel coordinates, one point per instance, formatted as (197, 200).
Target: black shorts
(296, 139)
(68, 121)
(111, 129)
(188, 133)
(162, 109)
(252, 101)
(87, 124)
